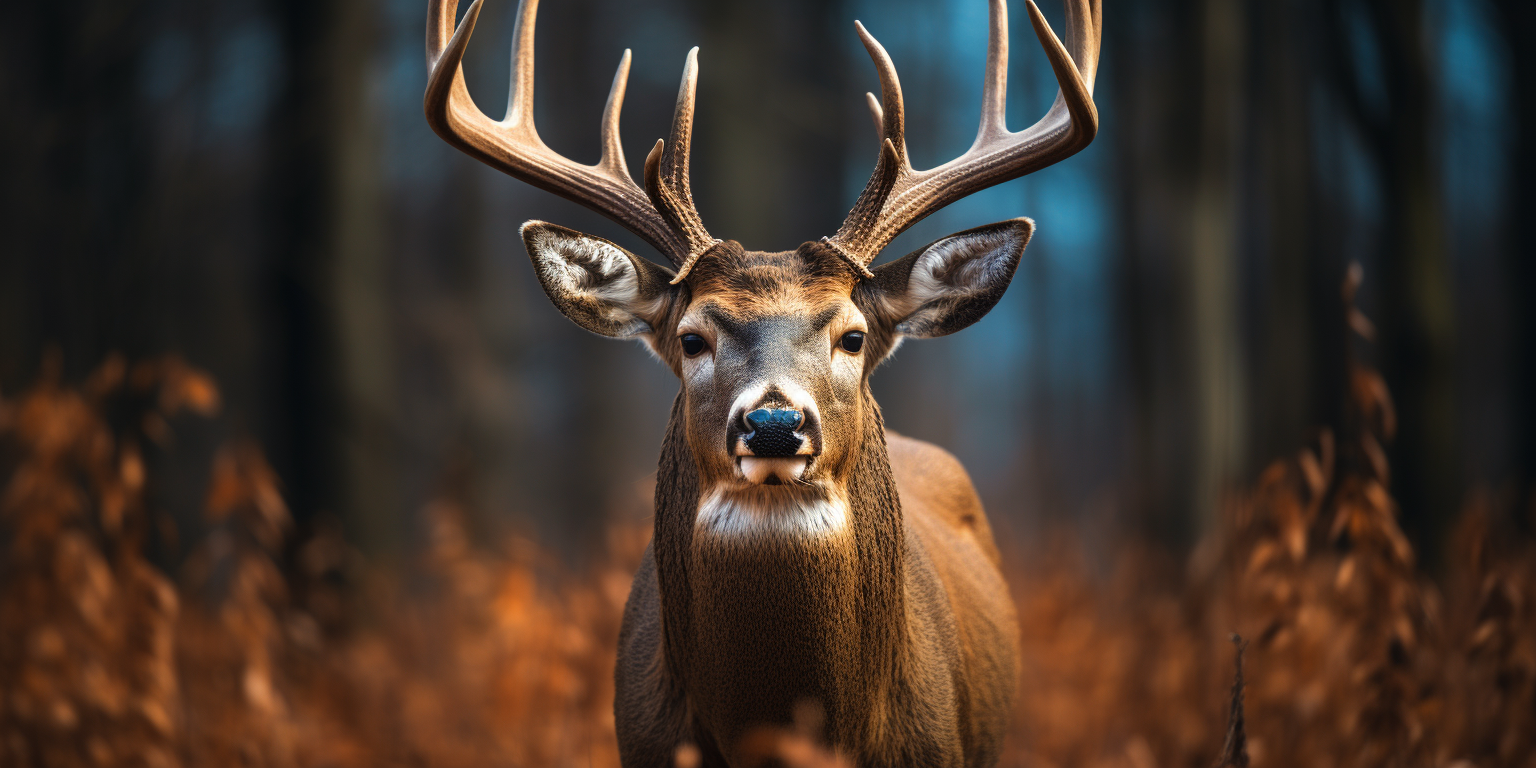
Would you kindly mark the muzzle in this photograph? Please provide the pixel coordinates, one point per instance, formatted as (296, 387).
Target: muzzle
(774, 437)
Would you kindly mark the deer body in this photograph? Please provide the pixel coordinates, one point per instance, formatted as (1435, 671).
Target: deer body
(899, 626)
(802, 555)
(874, 646)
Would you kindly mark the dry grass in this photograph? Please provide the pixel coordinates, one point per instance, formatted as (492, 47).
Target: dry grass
(256, 652)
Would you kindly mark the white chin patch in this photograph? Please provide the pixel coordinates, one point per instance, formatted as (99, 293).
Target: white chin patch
(784, 470)
(772, 510)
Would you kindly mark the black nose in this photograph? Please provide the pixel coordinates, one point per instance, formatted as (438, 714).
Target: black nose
(773, 431)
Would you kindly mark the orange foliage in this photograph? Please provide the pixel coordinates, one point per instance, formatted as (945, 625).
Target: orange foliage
(263, 653)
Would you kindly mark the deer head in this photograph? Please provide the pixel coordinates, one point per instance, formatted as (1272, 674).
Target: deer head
(773, 349)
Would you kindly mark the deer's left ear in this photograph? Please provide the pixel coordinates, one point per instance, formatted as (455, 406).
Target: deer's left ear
(950, 284)
(598, 285)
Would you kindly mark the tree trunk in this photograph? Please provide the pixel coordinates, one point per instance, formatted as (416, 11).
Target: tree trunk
(331, 356)
(1518, 18)
(1218, 375)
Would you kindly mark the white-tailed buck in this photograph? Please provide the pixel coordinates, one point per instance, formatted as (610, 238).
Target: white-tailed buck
(802, 553)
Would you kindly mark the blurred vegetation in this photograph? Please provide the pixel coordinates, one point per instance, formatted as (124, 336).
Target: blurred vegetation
(267, 648)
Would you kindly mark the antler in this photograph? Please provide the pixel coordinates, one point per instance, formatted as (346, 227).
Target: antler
(897, 196)
(662, 214)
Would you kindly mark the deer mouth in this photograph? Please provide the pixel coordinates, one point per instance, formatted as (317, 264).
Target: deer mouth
(786, 470)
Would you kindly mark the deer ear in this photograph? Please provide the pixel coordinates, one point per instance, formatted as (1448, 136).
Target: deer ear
(950, 284)
(598, 285)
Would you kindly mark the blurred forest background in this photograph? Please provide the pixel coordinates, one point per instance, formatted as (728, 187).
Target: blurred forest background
(402, 530)
(250, 184)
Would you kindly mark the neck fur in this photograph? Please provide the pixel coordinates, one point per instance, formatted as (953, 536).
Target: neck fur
(798, 598)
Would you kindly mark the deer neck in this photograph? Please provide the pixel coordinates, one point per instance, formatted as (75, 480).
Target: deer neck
(755, 624)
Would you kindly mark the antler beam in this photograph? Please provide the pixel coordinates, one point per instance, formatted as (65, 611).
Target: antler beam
(897, 196)
(662, 214)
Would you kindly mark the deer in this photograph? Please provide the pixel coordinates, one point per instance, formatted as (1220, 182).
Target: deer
(802, 553)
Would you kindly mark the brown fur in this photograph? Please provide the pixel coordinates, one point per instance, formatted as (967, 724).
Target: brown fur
(904, 630)
(898, 627)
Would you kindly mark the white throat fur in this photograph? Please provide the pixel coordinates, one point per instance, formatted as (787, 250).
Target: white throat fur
(772, 510)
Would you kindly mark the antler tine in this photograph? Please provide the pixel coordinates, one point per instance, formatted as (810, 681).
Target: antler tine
(1077, 128)
(876, 112)
(666, 171)
(440, 16)
(892, 166)
(898, 196)
(1085, 25)
(513, 144)
(520, 86)
(613, 148)
(893, 122)
(994, 88)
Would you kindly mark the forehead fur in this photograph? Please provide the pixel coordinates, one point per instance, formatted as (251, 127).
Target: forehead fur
(760, 282)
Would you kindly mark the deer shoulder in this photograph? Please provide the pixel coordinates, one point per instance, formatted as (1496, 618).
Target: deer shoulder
(934, 484)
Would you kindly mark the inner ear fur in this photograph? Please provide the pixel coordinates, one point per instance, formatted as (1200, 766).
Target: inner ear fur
(951, 282)
(599, 285)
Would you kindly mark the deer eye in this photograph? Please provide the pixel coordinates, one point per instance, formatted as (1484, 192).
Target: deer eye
(852, 342)
(692, 344)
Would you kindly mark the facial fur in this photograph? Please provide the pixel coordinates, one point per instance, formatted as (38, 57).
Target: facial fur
(772, 326)
(767, 335)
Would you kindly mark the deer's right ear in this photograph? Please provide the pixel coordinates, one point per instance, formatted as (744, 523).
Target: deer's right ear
(598, 285)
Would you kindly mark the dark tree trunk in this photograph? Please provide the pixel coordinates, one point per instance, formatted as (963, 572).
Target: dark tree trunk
(1416, 313)
(76, 160)
(329, 354)
(1412, 277)
(1518, 21)
(1153, 236)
